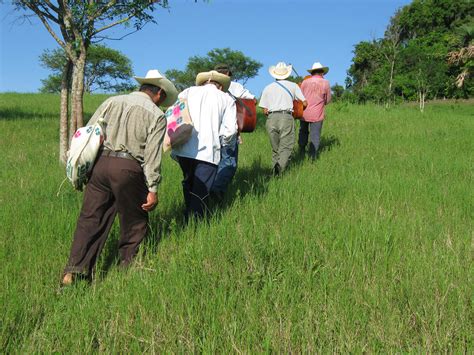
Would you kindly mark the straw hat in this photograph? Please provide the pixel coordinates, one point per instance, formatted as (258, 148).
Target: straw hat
(280, 71)
(223, 68)
(154, 77)
(318, 66)
(213, 75)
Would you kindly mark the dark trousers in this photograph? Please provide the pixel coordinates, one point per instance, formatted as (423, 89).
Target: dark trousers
(227, 166)
(198, 177)
(313, 129)
(117, 186)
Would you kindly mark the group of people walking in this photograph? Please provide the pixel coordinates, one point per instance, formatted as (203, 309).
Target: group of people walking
(127, 172)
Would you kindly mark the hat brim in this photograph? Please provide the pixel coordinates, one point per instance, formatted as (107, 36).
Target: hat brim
(271, 70)
(326, 69)
(163, 83)
(213, 75)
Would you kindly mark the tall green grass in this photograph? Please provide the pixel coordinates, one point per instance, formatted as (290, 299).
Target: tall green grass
(369, 249)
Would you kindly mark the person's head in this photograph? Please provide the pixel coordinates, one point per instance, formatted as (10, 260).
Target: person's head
(221, 81)
(280, 71)
(223, 69)
(318, 72)
(157, 94)
(161, 90)
(318, 69)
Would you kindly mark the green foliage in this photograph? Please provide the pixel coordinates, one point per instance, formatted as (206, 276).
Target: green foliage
(90, 18)
(425, 17)
(51, 85)
(106, 70)
(423, 66)
(368, 250)
(366, 72)
(413, 55)
(242, 67)
(337, 92)
(295, 79)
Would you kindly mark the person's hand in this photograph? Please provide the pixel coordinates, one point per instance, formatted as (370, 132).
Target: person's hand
(151, 202)
(239, 139)
(265, 111)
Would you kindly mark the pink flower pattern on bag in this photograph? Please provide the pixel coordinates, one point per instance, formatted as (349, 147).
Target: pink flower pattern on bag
(172, 126)
(176, 111)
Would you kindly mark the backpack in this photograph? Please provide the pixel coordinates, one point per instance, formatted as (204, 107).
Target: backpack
(179, 126)
(83, 151)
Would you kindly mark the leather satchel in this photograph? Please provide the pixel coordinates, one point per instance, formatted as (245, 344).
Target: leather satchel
(246, 115)
(297, 109)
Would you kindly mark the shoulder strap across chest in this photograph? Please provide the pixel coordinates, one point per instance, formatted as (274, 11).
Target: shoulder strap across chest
(286, 89)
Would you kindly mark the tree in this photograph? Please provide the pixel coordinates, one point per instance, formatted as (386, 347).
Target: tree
(106, 69)
(409, 62)
(337, 91)
(423, 17)
(242, 67)
(75, 25)
(424, 66)
(390, 49)
(463, 57)
(367, 74)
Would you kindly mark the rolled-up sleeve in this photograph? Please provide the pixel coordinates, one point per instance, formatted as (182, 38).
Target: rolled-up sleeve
(153, 154)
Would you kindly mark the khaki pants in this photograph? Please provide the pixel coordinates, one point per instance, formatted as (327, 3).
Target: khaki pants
(281, 130)
(117, 186)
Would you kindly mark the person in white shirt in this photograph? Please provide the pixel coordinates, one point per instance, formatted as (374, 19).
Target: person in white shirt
(277, 103)
(213, 114)
(230, 152)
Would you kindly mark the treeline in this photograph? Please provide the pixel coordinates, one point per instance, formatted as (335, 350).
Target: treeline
(425, 53)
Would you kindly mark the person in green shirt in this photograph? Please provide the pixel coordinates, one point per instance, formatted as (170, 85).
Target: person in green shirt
(125, 177)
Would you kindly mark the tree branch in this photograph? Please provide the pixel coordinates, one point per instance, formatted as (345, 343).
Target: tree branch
(103, 10)
(114, 24)
(101, 38)
(46, 24)
(53, 7)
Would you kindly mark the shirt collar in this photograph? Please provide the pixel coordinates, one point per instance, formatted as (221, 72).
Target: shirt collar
(141, 93)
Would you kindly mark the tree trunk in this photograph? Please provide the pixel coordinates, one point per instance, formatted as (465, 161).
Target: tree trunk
(63, 131)
(72, 120)
(422, 97)
(77, 119)
(390, 83)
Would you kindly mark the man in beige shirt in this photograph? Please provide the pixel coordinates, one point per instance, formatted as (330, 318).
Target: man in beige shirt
(126, 174)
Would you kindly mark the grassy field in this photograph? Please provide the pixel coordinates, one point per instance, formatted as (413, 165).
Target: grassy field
(367, 250)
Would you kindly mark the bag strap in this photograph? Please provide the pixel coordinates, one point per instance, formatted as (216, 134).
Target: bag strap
(286, 89)
(102, 114)
(239, 101)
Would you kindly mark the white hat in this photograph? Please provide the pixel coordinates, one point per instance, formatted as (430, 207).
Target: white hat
(281, 70)
(154, 77)
(213, 75)
(318, 66)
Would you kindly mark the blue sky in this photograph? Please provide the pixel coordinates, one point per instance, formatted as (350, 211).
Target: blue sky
(299, 32)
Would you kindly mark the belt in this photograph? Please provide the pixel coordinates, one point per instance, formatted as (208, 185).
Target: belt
(111, 153)
(281, 111)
